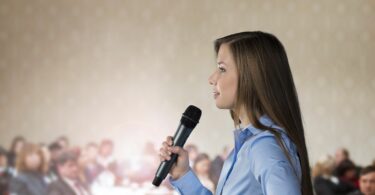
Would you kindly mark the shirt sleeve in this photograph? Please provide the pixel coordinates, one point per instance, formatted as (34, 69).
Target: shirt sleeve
(272, 168)
(189, 184)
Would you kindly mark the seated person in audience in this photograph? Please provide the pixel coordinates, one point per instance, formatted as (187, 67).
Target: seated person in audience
(68, 182)
(201, 168)
(15, 148)
(341, 154)
(193, 153)
(366, 181)
(89, 164)
(4, 172)
(217, 165)
(31, 167)
(108, 174)
(54, 150)
(50, 175)
(63, 141)
(347, 173)
(324, 182)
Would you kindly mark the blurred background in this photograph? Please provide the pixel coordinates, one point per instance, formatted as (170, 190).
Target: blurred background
(123, 71)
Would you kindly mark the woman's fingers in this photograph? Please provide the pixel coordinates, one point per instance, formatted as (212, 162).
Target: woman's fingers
(178, 150)
(166, 149)
(170, 140)
(164, 155)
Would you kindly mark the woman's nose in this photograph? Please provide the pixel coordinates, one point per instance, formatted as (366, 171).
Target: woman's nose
(212, 79)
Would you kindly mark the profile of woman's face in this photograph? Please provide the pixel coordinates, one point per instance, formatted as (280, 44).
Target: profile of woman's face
(224, 79)
(33, 161)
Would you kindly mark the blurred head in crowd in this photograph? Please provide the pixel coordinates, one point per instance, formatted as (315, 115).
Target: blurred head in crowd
(91, 151)
(324, 167)
(193, 151)
(54, 149)
(67, 164)
(17, 144)
(3, 160)
(367, 180)
(106, 148)
(63, 142)
(31, 158)
(202, 164)
(46, 153)
(89, 154)
(341, 154)
(346, 170)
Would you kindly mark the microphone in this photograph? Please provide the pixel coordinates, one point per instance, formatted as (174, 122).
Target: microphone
(189, 120)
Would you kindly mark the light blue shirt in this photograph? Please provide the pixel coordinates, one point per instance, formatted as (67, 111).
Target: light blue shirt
(257, 165)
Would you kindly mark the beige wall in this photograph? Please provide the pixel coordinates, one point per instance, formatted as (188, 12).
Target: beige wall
(127, 69)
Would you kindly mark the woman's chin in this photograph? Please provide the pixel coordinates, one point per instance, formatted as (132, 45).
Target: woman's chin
(222, 106)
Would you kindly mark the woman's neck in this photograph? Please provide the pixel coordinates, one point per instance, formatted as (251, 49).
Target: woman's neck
(243, 116)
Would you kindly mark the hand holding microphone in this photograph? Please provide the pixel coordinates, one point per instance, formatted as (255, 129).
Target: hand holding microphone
(172, 152)
(182, 164)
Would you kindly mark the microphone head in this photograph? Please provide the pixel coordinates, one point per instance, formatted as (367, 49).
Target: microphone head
(190, 118)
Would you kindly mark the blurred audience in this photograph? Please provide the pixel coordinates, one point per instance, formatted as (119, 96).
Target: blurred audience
(108, 168)
(89, 164)
(217, 164)
(324, 182)
(68, 182)
(4, 172)
(54, 151)
(341, 154)
(145, 168)
(366, 181)
(193, 153)
(347, 173)
(60, 169)
(15, 148)
(201, 168)
(31, 166)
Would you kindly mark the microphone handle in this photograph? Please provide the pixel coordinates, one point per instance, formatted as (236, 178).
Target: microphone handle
(179, 139)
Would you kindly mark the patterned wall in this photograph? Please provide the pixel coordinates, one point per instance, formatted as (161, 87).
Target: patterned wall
(127, 69)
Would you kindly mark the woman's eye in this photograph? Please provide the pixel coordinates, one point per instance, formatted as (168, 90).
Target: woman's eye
(221, 69)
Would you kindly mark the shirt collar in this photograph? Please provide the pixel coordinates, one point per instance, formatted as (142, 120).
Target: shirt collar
(264, 119)
(242, 134)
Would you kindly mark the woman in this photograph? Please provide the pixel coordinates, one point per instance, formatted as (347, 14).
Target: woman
(17, 143)
(201, 167)
(31, 167)
(253, 80)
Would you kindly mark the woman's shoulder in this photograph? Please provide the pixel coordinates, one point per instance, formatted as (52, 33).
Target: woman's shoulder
(264, 148)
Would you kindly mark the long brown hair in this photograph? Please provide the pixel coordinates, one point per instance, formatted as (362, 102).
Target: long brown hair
(265, 86)
(27, 150)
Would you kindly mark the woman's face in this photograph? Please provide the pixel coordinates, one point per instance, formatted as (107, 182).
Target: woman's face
(225, 79)
(33, 161)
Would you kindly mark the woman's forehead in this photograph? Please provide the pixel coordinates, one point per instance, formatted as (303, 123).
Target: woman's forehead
(224, 55)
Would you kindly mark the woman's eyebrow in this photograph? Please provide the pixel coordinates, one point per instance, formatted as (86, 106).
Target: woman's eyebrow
(221, 62)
